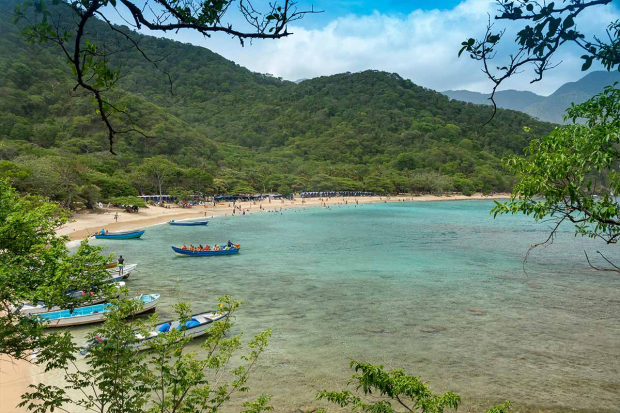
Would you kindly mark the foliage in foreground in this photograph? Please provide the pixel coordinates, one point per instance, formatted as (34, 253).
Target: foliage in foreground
(393, 391)
(571, 175)
(118, 378)
(35, 266)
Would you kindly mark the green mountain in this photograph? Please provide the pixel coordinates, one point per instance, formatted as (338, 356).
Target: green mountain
(249, 132)
(547, 108)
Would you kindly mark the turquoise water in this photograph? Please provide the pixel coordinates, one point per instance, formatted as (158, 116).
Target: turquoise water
(436, 288)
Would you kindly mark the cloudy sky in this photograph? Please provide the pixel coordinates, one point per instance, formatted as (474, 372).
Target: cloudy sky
(417, 39)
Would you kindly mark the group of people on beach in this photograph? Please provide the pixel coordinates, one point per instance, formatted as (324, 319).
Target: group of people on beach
(229, 245)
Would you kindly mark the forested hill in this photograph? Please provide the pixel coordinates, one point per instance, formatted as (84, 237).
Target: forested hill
(248, 131)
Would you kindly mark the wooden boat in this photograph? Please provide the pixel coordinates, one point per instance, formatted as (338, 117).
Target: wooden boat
(188, 223)
(191, 253)
(91, 314)
(39, 308)
(106, 266)
(197, 326)
(120, 235)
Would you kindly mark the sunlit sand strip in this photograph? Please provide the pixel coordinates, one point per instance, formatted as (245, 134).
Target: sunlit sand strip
(86, 224)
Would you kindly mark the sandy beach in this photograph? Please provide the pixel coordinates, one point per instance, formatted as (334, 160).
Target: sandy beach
(15, 377)
(84, 225)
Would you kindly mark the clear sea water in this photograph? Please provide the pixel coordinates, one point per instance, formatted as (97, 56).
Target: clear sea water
(437, 288)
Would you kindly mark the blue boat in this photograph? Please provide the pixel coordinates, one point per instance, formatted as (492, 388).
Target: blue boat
(92, 313)
(120, 235)
(205, 253)
(188, 223)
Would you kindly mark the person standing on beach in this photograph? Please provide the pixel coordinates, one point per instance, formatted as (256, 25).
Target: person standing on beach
(121, 265)
(116, 217)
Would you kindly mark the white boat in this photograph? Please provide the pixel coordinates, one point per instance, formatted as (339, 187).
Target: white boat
(39, 308)
(92, 313)
(126, 270)
(197, 326)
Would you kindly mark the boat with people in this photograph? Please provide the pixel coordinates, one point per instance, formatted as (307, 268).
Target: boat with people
(198, 325)
(187, 223)
(31, 308)
(207, 251)
(92, 314)
(119, 235)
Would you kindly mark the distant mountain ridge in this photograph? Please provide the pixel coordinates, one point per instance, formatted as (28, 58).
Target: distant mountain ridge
(547, 108)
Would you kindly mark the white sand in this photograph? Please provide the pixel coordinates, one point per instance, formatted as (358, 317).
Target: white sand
(86, 224)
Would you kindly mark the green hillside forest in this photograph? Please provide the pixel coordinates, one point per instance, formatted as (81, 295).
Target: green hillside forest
(220, 128)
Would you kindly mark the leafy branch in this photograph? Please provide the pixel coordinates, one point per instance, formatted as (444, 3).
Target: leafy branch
(393, 391)
(551, 28)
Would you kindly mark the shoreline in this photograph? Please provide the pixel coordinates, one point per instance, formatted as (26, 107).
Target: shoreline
(83, 225)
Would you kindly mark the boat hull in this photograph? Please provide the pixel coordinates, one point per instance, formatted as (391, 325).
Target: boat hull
(39, 309)
(128, 235)
(189, 253)
(205, 319)
(188, 224)
(193, 332)
(43, 309)
(88, 315)
(116, 272)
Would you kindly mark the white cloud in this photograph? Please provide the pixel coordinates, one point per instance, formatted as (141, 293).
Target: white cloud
(421, 46)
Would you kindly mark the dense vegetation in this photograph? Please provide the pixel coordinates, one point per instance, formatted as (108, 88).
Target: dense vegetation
(226, 129)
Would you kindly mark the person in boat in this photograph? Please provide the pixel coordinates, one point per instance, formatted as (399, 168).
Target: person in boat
(230, 244)
(201, 248)
(207, 248)
(121, 265)
(103, 232)
(184, 247)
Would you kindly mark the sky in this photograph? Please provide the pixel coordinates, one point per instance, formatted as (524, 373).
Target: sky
(417, 39)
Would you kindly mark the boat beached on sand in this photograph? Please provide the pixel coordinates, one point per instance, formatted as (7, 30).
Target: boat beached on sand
(92, 314)
(187, 223)
(137, 233)
(197, 326)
